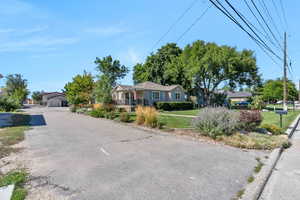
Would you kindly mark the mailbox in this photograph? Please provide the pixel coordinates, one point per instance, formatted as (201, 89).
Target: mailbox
(280, 113)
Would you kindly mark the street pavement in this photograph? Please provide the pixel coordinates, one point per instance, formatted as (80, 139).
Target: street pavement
(98, 159)
(284, 183)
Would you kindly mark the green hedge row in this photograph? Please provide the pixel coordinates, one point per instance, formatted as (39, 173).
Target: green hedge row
(165, 105)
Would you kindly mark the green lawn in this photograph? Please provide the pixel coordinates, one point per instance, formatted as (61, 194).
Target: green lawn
(184, 122)
(183, 112)
(273, 118)
(175, 122)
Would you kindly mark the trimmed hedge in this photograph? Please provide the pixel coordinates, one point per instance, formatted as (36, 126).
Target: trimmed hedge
(169, 106)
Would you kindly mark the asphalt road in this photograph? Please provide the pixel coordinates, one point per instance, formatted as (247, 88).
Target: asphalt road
(103, 160)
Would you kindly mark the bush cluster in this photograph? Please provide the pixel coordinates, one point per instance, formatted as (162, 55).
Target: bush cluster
(275, 130)
(250, 119)
(169, 106)
(147, 116)
(8, 105)
(214, 122)
(124, 117)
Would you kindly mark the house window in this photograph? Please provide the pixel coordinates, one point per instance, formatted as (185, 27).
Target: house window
(155, 95)
(177, 96)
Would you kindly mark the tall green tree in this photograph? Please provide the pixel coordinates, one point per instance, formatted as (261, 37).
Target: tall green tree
(37, 96)
(16, 88)
(80, 90)
(207, 65)
(273, 90)
(110, 71)
(154, 67)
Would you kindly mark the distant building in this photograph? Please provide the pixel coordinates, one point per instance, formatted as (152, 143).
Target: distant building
(239, 96)
(54, 99)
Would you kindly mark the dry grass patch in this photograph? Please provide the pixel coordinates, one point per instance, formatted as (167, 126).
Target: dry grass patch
(255, 141)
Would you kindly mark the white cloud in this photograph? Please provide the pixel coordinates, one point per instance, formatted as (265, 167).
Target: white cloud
(38, 43)
(106, 31)
(24, 31)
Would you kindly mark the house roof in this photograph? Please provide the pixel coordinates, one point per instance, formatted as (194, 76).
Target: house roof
(238, 94)
(149, 86)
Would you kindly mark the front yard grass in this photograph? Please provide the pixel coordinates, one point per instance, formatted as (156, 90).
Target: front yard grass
(10, 136)
(194, 112)
(175, 122)
(273, 118)
(18, 178)
(255, 141)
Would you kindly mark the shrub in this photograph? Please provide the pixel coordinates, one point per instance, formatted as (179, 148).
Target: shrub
(81, 110)
(110, 115)
(140, 118)
(98, 113)
(161, 105)
(275, 130)
(124, 117)
(8, 105)
(73, 108)
(108, 107)
(215, 122)
(151, 117)
(147, 116)
(250, 119)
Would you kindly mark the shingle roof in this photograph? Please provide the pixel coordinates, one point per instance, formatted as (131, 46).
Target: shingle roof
(149, 86)
(238, 94)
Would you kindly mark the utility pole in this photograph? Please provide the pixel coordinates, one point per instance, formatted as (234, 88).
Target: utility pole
(285, 74)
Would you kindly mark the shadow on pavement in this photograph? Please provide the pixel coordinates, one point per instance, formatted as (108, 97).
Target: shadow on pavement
(15, 119)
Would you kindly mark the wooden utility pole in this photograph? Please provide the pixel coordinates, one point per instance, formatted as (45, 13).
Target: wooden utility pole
(285, 74)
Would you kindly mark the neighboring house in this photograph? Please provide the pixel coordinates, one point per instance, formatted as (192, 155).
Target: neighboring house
(238, 96)
(147, 94)
(54, 99)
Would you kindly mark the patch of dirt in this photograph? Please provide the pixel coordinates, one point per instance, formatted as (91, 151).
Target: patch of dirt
(39, 188)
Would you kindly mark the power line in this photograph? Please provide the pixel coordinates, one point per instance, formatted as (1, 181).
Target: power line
(242, 18)
(227, 13)
(193, 24)
(283, 13)
(267, 36)
(262, 3)
(175, 23)
(265, 22)
(278, 14)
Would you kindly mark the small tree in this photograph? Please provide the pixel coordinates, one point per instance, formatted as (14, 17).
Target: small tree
(79, 91)
(16, 88)
(257, 103)
(37, 96)
(110, 71)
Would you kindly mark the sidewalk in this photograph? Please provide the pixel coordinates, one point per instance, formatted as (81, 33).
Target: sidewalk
(284, 184)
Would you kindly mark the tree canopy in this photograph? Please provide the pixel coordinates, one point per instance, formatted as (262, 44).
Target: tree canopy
(156, 64)
(16, 88)
(79, 91)
(110, 71)
(273, 90)
(37, 96)
(200, 68)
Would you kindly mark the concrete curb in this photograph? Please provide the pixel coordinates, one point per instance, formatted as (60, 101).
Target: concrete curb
(255, 189)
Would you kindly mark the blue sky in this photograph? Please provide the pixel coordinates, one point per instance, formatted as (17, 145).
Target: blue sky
(50, 41)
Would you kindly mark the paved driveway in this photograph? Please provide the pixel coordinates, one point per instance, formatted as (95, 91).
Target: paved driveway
(102, 160)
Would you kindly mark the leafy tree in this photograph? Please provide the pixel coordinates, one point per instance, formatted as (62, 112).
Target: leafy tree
(110, 71)
(16, 88)
(154, 67)
(273, 90)
(79, 91)
(257, 103)
(207, 65)
(37, 96)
